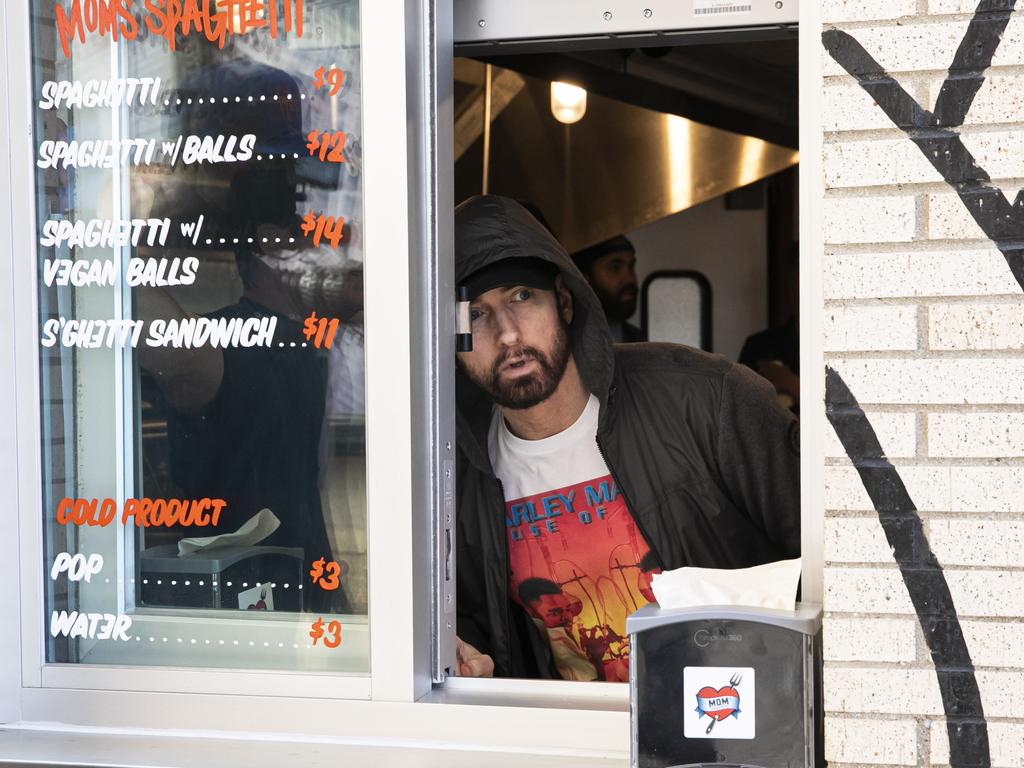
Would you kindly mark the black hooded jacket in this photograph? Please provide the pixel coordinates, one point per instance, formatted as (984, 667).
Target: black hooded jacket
(706, 459)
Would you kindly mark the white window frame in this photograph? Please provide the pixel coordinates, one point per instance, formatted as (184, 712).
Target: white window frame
(389, 379)
(396, 701)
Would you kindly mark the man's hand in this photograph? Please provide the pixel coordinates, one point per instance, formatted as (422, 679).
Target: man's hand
(471, 662)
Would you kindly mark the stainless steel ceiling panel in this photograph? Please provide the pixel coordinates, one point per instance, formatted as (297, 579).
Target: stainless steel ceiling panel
(617, 169)
(479, 21)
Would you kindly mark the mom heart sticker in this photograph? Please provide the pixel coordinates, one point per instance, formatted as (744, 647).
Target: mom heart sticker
(725, 702)
(718, 704)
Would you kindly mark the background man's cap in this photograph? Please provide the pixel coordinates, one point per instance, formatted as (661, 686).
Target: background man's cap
(585, 259)
(529, 272)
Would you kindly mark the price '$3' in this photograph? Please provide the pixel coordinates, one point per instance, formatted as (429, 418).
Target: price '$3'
(322, 227)
(325, 574)
(331, 636)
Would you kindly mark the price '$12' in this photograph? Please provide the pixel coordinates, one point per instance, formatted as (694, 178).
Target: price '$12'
(323, 226)
(328, 145)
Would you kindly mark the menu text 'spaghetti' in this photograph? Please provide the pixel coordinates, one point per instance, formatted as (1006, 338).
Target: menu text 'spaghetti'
(214, 20)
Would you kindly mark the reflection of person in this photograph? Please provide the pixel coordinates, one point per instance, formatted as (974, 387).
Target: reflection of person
(245, 423)
(588, 454)
(346, 383)
(552, 610)
(610, 268)
(775, 352)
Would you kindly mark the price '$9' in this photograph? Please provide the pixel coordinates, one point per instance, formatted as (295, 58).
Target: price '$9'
(332, 78)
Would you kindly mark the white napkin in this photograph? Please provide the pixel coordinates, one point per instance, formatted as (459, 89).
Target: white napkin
(253, 530)
(764, 586)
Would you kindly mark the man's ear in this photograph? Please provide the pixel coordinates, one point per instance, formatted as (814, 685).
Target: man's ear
(565, 307)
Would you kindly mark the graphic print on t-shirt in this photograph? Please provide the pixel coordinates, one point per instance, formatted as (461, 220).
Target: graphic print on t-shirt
(576, 559)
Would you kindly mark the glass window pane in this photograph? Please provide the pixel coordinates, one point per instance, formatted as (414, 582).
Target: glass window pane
(676, 311)
(199, 197)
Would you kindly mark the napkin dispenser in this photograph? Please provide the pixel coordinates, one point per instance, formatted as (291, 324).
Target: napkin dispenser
(725, 684)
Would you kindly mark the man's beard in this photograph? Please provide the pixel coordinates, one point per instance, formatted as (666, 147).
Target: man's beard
(618, 309)
(527, 391)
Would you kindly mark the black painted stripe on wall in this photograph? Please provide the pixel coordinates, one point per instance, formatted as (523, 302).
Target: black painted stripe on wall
(1003, 224)
(922, 574)
(1001, 221)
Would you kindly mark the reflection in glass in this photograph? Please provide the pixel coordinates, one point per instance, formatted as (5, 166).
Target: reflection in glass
(245, 384)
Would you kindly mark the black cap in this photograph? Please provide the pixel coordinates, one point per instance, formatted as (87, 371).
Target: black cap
(530, 272)
(585, 258)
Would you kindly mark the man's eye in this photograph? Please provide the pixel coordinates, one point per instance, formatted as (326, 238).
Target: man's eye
(522, 294)
(475, 314)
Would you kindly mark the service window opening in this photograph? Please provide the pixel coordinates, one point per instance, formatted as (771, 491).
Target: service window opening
(669, 176)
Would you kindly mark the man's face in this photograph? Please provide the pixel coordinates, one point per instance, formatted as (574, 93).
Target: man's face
(613, 277)
(554, 610)
(520, 344)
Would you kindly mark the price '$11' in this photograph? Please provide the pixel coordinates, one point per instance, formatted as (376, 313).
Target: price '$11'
(320, 331)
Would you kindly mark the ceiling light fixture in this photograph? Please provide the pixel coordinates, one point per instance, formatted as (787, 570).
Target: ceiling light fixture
(568, 102)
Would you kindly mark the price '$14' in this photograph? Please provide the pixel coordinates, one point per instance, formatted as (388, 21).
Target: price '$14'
(323, 227)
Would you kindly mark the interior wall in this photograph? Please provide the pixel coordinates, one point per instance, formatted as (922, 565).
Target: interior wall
(729, 247)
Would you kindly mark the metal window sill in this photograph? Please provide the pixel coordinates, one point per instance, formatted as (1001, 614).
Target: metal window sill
(33, 747)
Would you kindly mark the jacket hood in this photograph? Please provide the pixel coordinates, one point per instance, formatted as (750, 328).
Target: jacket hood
(489, 228)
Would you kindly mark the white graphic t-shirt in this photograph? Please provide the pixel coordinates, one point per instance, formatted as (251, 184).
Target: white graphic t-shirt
(575, 551)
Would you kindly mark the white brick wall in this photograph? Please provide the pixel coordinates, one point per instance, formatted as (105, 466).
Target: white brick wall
(976, 272)
(924, 321)
(856, 540)
(951, 6)
(862, 329)
(971, 541)
(884, 691)
(976, 326)
(927, 46)
(869, 220)
(981, 489)
(1006, 741)
(995, 643)
(881, 742)
(871, 639)
(866, 10)
(976, 435)
(897, 432)
(939, 381)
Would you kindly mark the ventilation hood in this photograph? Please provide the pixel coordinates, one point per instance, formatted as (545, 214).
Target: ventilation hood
(622, 166)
